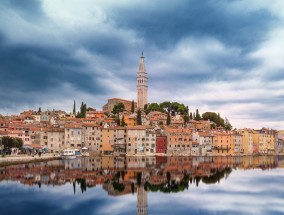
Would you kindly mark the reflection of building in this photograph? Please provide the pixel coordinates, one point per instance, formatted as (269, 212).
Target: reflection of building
(142, 201)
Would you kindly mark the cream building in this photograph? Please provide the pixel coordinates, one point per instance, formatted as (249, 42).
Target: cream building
(55, 140)
(91, 136)
(73, 135)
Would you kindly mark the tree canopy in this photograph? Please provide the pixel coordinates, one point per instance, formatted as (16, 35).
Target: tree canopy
(219, 121)
(12, 142)
(118, 108)
(139, 117)
(167, 106)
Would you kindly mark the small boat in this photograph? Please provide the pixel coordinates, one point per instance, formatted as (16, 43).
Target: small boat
(68, 154)
(85, 152)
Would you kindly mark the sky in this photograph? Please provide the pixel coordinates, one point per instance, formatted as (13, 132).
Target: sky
(222, 56)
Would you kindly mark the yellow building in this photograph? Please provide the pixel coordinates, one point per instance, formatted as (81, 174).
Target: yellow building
(255, 142)
(265, 138)
(107, 140)
(247, 140)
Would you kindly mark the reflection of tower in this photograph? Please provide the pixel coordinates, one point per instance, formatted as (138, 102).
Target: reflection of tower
(142, 84)
(142, 201)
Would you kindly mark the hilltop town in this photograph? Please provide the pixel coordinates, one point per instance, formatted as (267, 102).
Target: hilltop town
(125, 127)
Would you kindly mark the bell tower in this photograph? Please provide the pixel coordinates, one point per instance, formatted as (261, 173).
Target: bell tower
(142, 84)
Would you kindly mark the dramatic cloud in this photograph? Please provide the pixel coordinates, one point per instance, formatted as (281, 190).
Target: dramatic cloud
(213, 55)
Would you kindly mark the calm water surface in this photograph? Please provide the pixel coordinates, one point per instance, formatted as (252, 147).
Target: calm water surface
(139, 185)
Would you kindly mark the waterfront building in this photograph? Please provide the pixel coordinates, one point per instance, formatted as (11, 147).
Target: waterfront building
(203, 143)
(22, 134)
(120, 138)
(236, 144)
(247, 135)
(55, 140)
(91, 136)
(279, 148)
(179, 140)
(161, 144)
(136, 142)
(150, 148)
(255, 142)
(266, 140)
(142, 84)
(73, 135)
(107, 140)
(39, 135)
(223, 144)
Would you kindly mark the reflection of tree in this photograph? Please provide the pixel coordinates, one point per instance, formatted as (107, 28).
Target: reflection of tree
(169, 186)
(82, 183)
(139, 178)
(118, 186)
(197, 180)
(116, 182)
(217, 175)
(132, 188)
(74, 187)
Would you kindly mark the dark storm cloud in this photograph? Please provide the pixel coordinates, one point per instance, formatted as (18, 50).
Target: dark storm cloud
(28, 9)
(54, 48)
(32, 69)
(165, 23)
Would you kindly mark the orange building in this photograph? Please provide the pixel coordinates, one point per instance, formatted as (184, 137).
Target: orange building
(107, 140)
(223, 144)
(179, 140)
(130, 120)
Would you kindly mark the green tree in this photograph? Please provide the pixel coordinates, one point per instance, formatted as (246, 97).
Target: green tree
(39, 110)
(190, 116)
(118, 108)
(227, 125)
(90, 109)
(145, 107)
(166, 105)
(123, 122)
(74, 107)
(132, 106)
(11, 142)
(139, 117)
(117, 120)
(214, 117)
(186, 118)
(83, 110)
(153, 107)
(168, 119)
(197, 115)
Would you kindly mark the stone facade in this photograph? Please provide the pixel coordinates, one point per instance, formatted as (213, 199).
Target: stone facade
(114, 101)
